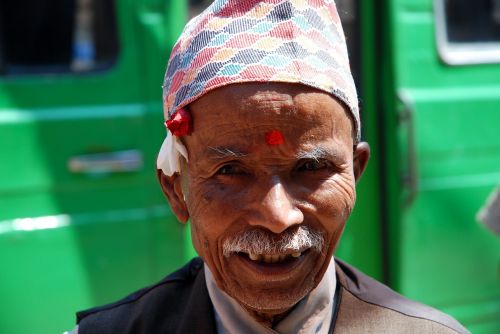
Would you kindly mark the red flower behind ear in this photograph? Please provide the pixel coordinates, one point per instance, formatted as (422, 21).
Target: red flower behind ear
(180, 124)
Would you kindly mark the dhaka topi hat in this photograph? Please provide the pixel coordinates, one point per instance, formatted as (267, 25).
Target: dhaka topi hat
(236, 41)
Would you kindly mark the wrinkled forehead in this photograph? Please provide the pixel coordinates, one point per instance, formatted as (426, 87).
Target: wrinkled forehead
(254, 103)
(276, 111)
(241, 41)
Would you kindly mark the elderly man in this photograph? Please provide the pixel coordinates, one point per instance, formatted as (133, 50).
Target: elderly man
(262, 155)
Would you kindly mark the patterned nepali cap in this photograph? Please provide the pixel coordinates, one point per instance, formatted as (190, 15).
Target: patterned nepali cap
(236, 41)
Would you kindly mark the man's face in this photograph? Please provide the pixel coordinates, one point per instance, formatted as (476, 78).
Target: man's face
(236, 183)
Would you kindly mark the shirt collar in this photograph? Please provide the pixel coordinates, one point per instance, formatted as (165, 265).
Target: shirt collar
(313, 314)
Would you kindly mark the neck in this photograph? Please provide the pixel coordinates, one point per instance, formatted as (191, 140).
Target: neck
(268, 319)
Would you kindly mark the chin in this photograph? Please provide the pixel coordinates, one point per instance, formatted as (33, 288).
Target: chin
(273, 301)
(272, 288)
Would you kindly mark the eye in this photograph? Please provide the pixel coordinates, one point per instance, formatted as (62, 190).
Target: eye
(313, 165)
(230, 169)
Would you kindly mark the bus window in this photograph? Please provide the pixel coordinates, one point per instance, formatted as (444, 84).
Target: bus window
(349, 15)
(468, 32)
(197, 6)
(57, 36)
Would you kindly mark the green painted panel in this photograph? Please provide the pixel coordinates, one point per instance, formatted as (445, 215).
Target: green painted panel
(70, 241)
(68, 263)
(361, 243)
(444, 256)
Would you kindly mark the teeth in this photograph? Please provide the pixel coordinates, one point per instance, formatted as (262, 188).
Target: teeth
(272, 258)
(254, 257)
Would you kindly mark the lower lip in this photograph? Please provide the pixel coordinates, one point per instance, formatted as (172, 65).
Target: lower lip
(276, 269)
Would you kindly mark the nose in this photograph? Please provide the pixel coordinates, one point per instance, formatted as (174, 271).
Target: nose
(276, 211)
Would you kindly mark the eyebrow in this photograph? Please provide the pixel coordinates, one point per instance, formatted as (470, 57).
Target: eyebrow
(222, 153)
(319, 153)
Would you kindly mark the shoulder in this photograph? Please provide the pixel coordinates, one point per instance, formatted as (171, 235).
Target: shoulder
(148, 310)
(370, 306)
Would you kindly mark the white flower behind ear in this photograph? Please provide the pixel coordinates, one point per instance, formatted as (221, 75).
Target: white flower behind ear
(170, 153)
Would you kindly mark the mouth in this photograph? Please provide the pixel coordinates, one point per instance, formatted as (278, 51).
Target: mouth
(272, 270)
(273, 266)
(271, 258)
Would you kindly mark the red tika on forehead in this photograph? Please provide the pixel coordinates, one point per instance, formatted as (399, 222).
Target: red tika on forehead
(274, 137)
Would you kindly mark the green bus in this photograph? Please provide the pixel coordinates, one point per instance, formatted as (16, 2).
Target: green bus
(83, 221)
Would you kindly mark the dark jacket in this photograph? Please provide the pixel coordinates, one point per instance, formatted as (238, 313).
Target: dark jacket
(180, 304)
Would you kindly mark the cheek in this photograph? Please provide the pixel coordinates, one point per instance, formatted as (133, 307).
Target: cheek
(203, 196)
(208, 197)
(199, 238)
(211, 222)
(345, 190)
(333, 201)
(203, 230)
(212, 216)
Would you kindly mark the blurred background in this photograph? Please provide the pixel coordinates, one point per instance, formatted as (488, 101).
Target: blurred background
(83, 221)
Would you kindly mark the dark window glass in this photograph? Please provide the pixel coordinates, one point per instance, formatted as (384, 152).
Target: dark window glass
(469, 21)
(197, 6)
(53, 36)
(349, 16)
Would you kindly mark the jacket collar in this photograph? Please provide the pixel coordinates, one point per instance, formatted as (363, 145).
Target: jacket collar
(199, 317)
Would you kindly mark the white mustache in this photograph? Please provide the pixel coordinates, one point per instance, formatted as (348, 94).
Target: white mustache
(263, 242)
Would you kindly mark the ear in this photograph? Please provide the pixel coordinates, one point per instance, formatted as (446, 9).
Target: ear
(360, 159)
(172, 189)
